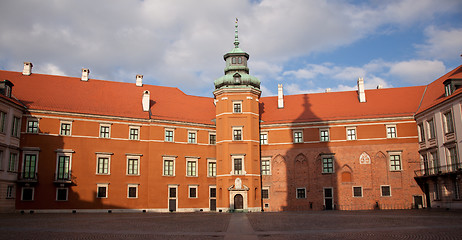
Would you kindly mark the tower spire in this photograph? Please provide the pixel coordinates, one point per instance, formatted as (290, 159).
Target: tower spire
(236, 38)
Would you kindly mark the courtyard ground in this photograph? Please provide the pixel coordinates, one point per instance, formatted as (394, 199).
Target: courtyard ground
(396, 224)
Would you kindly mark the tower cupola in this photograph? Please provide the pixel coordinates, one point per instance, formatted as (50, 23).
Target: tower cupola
(236, 70)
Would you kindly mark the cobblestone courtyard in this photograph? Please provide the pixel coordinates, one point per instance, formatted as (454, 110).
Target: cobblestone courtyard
(406, 224)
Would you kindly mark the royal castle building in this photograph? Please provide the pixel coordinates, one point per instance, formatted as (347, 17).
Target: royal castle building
(95, 145)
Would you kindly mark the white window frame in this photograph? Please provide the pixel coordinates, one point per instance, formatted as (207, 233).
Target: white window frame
(108, 125)
(103, 155)
(445, 124)
(33, 120)
(128, 190)
(10, 193)
(194, 140)
(33, 193)
(237, 102)
(24, 153)
(353, 191)
(294, 138)
(106, 185)
(210, 138)
(15, 164)
(63, 153)
(67, 194)
(197, 190)
(349, 137)
(429, 127)
(240, 128)
(138, 128)
(269, 165)
(390, 135)
(138, 159)
(209, 161)
(395, 153)
(237, 156)
(421, 129)
(165, 134)
(196, 162)
(296, 193)
(264, 141)
(61, 127)
(381, 190)
(266, 188)
(168, 158)
(321, 136)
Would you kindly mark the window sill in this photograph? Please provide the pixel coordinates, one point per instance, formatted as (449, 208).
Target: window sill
(168, 175)
(133, 175)
(192, 176)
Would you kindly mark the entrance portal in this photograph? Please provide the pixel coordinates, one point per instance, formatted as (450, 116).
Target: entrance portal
(238, 202)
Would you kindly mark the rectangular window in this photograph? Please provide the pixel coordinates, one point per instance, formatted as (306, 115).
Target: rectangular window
(213, 192)
(431, 129)
(134, 133)
(172, 192)
(191, 168)
(102, 191)
(391, 131)
(2, 122)
(237, 107)
(301, 193)
(452, 159)
(133, 166)
(192, 191)
(327, 165)
(192, 137)
(30, 161)
(237, 166)
(63, 168)
(65, 129)
(212, 139)
(448, 123)
(32, 126)
(169, 135)
(16, 127)
(12, 162)
(324, 134)
(132, 191)
(263, 138)
(104, 131)
(103, 165)
(10, 191)
(27, 194)
(265, 193)
(169, 167)
(237, 134)
(61, 194)
(456, 189)
(298, 136)
(265, 167)
(395, 163)
(212, 168)
(385, 191)
(351, 133)
(357, 191)
(436, 191)
(421, 133)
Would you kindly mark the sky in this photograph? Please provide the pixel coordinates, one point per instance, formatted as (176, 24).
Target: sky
(307, 45)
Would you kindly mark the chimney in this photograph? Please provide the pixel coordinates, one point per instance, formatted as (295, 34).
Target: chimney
(379, 86)
(328, 89)
(361, 93)
(139, 80)
(280, 96)
(85, 73)
(146, 100)
(27, 69)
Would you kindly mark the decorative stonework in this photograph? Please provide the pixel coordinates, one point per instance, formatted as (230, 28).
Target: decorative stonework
(364, 158)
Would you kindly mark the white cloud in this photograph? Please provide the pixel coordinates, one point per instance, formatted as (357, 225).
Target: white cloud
(418, 71)
(49, 68)
(441, 44)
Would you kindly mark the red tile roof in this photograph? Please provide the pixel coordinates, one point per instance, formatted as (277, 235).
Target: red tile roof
(69, 94)
(390, 102)
(435, 90)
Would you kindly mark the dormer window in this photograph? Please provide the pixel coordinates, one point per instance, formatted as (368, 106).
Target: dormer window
(237, 78)
(451, 85)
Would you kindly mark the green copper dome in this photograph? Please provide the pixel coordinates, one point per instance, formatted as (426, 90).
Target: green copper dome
(236, 70)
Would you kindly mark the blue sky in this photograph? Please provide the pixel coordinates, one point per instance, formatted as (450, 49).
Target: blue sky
(307, 46)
